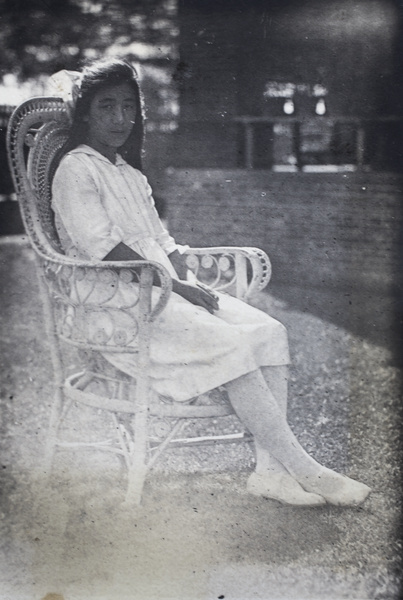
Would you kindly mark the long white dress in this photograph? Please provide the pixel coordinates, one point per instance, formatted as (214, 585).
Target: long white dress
(99, 204)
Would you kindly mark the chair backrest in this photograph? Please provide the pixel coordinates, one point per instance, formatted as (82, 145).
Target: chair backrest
(36, 133)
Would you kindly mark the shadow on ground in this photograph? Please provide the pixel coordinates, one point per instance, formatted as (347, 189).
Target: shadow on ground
(372, 314)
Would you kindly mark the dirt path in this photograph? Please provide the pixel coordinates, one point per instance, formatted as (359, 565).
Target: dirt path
(198, 534)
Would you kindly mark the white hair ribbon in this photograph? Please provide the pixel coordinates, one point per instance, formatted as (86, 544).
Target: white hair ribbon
(66, 85)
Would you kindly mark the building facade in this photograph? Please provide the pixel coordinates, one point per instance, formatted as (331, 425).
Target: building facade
(266, 82)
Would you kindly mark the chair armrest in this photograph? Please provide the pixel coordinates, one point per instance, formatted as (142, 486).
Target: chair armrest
(240, 271)
(90, 304)
(62, 268)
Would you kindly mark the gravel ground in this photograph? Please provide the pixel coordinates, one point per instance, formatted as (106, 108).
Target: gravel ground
(199, 535)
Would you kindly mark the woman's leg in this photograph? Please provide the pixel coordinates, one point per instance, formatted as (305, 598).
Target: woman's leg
(259, 410)
(277, 381)
(271, 479)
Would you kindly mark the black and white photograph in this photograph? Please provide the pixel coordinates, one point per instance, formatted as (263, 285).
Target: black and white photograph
(201, 249)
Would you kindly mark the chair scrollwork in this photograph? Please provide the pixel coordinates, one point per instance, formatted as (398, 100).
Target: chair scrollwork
(239, 271)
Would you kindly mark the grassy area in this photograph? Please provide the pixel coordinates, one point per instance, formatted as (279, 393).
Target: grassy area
(199, 535)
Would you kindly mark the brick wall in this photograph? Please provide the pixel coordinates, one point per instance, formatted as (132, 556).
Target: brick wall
(319, 229)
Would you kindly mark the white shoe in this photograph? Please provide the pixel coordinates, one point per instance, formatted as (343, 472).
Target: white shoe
(336, 489)
(283, 488)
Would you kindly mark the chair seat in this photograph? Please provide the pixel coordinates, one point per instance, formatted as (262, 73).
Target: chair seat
(75, 389)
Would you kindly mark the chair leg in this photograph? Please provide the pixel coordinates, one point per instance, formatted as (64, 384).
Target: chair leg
(54, 424)
(138, 459)
(43, 473)
(136, 478)
(138, 452)
(50, 512)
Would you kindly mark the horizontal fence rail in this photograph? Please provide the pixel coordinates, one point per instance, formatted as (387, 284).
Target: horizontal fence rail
(321, 130)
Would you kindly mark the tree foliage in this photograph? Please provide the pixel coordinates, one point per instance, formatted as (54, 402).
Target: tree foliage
(42, 36)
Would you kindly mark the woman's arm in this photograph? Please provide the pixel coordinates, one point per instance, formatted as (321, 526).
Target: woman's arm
(162, 236)
(77, 203)
(179, 264)
(190, 292)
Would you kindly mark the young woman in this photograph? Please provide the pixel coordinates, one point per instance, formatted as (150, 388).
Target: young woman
(105, 211)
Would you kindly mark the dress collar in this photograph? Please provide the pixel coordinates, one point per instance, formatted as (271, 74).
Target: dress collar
(85, 149)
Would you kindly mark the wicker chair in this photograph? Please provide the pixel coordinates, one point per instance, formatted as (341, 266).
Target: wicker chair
(36, 133)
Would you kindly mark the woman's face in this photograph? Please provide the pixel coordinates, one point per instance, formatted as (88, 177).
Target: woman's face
(111, 118)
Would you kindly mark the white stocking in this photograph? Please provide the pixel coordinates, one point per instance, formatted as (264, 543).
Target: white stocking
(277, 381)
(260, 412)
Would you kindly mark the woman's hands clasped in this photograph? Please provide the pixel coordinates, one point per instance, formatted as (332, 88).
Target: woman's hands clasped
(197, 294)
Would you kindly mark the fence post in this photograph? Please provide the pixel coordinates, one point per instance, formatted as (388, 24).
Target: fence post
(360, 148)
(249, 143)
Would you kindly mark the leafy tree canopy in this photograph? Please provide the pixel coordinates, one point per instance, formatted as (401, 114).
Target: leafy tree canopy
(42, 36)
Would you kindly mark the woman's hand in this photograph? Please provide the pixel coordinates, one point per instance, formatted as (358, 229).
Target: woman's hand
(197, 294)
(179, 264)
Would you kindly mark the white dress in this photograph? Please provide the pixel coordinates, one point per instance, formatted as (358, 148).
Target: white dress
(99, 204)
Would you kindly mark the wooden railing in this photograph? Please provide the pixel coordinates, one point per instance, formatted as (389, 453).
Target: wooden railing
(359, 125)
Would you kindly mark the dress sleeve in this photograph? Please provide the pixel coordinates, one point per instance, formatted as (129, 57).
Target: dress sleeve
(77, 202)
(162, 236)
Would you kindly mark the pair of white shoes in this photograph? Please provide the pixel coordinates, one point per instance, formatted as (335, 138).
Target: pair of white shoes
(332, 489)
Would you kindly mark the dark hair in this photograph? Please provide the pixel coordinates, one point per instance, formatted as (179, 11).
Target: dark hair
(96, 76)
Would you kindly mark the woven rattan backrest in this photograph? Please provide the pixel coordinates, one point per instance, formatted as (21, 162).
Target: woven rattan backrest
(37, 131)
